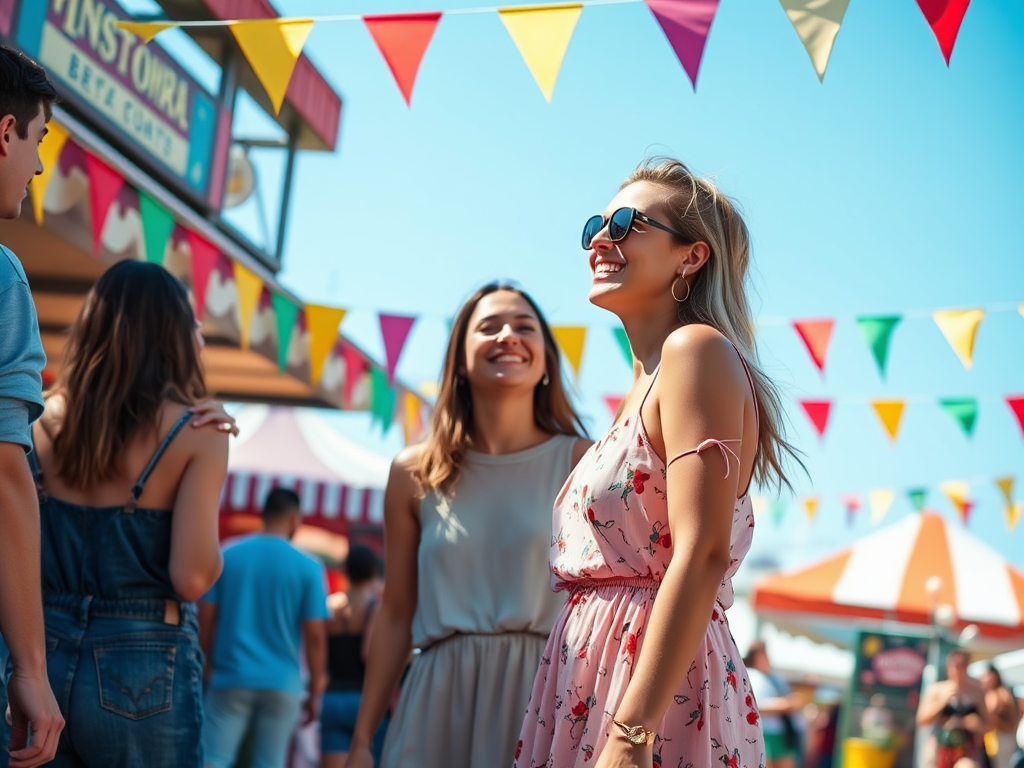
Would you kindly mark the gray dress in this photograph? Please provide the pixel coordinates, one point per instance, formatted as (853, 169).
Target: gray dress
(485, 609)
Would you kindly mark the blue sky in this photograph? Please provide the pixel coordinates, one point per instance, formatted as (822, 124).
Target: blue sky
(894, 187)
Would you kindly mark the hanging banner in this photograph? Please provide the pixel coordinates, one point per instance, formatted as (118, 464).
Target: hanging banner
(778, 512)
(542, 35)
(1016, 403)
(960, 326)
(958, 492)
(851, 502)
(570, 340)
(249, 287)
(412, 423)
(945, 18)
(817, 411)
(402, 39)
(624, 347)
(879, 501)
(877, 332)
(382, 399)
(204, 258)
(811, 504)
(817, 22)
(49, 154)
(963, 410)
(918, 498)
(272, 47)
(394, 329)
(355, 370)
(686, 24)
(157, 227)
(613, 402)
(890, 413)
(286, 313)
(322, 323)
(105, 185)
(816, 335)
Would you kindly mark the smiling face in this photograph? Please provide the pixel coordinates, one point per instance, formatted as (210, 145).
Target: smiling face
(19, 160)
(504, 343)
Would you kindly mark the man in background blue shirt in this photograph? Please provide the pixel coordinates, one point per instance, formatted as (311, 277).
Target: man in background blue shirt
(252, 623)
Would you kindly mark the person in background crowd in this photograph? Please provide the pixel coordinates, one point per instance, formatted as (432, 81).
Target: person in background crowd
(779, 708)
(129, 502)
(955, 708)
(348, 637)
(467, 518)
(253, 621)
(26, 101)
(1001, 741)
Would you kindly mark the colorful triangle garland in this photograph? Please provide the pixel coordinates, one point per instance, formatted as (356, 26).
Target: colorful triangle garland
(104, 186)
(395, 331)
(963, 410)
(960, 326)
(542, 35)
(204, 258)
(945, 18)
(322, 325)
(816, 335)
(817, 23)
(249, 287)
(49, 155)
(272, 47)
(877, 331)
(570, 341)
(817, 411)
(686, 24)
(286, 312)
(403, 39)
(890, 413)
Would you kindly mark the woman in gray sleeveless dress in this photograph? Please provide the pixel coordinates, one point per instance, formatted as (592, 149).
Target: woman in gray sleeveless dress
(467, 519)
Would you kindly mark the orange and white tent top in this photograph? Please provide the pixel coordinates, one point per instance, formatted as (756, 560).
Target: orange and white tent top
(884, 575)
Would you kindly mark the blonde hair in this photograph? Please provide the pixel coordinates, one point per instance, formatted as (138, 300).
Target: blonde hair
(717, 297)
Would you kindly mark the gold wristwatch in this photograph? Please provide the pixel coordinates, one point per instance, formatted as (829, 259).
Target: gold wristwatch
(636, 734)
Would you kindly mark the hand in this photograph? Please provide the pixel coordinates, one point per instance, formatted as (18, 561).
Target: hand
(310, 710)
(359, 757)
(619, 753)
(212, 412)
(36, 721)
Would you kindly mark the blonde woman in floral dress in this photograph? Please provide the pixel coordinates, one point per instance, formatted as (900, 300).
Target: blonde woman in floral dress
(641, 669)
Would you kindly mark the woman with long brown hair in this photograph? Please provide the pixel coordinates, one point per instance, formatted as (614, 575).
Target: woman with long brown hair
(128, 503)
(467, 518)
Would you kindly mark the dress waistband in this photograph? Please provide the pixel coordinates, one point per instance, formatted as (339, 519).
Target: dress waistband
(631, 582)
(145, 609)
(494, 635)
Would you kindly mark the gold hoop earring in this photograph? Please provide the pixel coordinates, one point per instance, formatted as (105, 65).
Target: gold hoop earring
(673, 289)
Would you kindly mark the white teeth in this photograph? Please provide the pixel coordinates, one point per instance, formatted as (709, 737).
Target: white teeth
(606, 268)
(508, 359)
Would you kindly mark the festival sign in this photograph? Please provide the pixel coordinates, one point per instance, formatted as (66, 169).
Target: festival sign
(136, 90)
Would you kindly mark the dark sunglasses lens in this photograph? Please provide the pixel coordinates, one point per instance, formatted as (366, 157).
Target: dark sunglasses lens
(590, 230)
(620, 223)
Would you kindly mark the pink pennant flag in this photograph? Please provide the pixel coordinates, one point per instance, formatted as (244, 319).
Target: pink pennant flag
(204, 258)
(817, 411)
(851, 501)
(1017, 406)
(613, 402)
(816, 335)
(104, 186)
(945, 18)
(355, 369)
(395, 330)
(686, 24)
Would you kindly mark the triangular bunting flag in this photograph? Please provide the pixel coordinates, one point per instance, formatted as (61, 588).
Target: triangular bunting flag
(964, 411)
(204, 259)
(1020, 308)
(613, 402)
(958, 492)
(412, 423)
(811, 507)
(623, 340)
(322, 324)
(1014, 512)
(1005, 485)
(395, 330)
(382, 399)
(877, 332)
(817, 23)
(157, 226)
(778, 512)
(272, 47)
(816, 335)
(286, 312)
(571, 340)
(1016, 403)
(817, 411)
(918, 497)
(945, 17)
(686, 24)
(402, 39)
(879, 501)
(890, 412)
(542, 35)
(249, 287)
(144, 30)
(49, 153)
(851, 501)
(104, 186)
(355, 369)
(960, 326)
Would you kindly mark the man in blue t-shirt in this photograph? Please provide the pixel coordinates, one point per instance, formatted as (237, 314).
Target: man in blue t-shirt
(269, 598)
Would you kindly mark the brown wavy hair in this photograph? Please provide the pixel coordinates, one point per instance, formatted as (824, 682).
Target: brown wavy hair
(451, 426)
(132, 348)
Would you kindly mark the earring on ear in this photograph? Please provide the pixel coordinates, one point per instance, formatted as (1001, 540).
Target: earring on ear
(546, 380)
(672, 290)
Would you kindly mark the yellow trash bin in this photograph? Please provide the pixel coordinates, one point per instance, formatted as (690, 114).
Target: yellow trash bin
(861, 753)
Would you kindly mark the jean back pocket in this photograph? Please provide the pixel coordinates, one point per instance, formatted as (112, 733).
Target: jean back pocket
(136, 680)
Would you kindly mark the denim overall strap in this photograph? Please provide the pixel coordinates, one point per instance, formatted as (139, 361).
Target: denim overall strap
(140, 484)
(37, 471)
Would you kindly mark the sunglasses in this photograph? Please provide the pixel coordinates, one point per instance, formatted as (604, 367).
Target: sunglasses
(619, 225)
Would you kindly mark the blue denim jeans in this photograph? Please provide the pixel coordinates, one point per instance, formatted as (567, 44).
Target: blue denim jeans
(231, 712)
(130, 690)
(338, 713)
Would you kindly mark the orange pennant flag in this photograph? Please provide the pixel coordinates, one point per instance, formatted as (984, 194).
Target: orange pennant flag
(890, 412)
(249, 287)
(412, 424)
(272, 47)
(816, 335)
(811, 507)
(402, 39)
(960, 326)
(49, 154)
(322, 323)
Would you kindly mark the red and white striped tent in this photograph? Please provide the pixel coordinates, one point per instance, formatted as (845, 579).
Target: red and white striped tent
(339, 483)
(884, 577)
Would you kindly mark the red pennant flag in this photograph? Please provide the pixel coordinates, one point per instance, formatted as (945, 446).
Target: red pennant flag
(817, 411)
(204, 258)
(852, 503)
(1016, 404)
(686, 24)
(395, 330)
(403, 39)
(816, 334)
(355, 368)
(945, 17)
(613, 402)
(104, 186)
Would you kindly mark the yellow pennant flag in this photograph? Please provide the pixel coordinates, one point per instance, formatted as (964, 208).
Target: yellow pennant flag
(959, 494)
(1021, 309)
(879, 501)
(145, 30)
(817, 23)
(570, 340)
(322, 324)
(272, 47)
(1014, 512)
(960, 326)
(249, 287)
(542, 35)
(758, 504)
(811, 507)
(412, 424)
(890, 412)
(49, 154)
(1006, 487)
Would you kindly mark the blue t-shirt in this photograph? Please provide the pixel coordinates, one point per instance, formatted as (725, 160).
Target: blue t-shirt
(267, 589)
(21, 354)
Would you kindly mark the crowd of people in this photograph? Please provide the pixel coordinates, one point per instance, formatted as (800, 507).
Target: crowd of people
(550, 600)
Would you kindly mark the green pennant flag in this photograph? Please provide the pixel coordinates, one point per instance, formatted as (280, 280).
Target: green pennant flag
(286, 313)
(964, 410)
(157, 225)
(877, 331)
(623, 339)
(778, 512)
(382, 399)
(918, 496)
